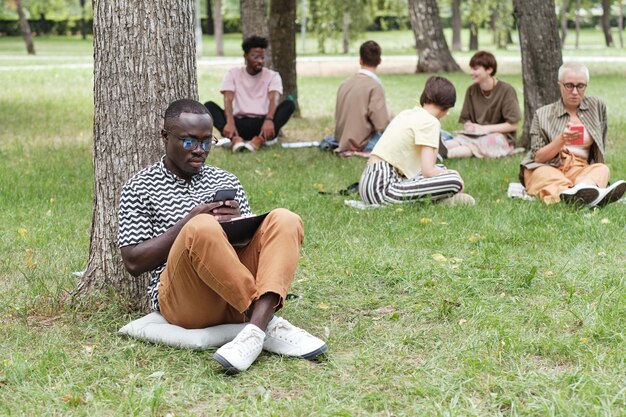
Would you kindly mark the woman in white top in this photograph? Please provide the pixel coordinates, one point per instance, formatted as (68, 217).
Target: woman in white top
(402, 166)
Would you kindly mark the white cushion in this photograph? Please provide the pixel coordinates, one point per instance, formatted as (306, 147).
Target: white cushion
(156, 329)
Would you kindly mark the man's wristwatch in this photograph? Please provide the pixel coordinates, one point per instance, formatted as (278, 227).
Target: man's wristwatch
(270, 118)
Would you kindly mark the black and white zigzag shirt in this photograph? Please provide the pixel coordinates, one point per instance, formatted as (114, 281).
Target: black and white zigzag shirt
(154, 199)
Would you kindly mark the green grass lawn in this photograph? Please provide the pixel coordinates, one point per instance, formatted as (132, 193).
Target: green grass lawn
(504, 308)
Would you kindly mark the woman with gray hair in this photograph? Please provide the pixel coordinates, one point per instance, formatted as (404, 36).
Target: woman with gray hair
(568, 140)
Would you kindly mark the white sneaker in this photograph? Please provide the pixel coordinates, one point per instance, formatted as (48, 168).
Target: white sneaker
(583, 194)
(242, 351)
(283, 338)
(458, 199)
(610, 194)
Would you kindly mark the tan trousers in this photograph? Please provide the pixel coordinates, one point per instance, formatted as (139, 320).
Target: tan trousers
(548, 182)
(207, 282)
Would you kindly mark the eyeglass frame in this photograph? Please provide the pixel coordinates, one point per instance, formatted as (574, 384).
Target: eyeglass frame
(209, 142)
(580, 87)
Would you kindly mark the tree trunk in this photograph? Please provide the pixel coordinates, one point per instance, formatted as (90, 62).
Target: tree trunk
(433, 54)
(283, 27)
(577, 22)
(606, 22)
(473, 40)
(254, 22)
(564, 20)
(25, 28)
(456, 25)
(210, 28)
(144, 58)
(345, 44)
(541, 56)
(83, 23)
(219, 28)
(620, 23)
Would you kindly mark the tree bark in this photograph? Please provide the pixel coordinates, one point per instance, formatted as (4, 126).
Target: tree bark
(283, 27)
(577, 22)
(606, 22)
(620, 23)
(254, 22)
(210, 27)
(25, 28)
(473, 40)
(144, 58)
(456, 26)
(541, 56)
(433, 54)
(564, 20)
(218, 24)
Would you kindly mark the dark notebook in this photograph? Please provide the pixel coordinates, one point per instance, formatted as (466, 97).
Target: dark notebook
(241, 229)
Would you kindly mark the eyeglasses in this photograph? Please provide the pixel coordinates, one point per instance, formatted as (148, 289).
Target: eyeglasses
(570, 86)
(192, 143)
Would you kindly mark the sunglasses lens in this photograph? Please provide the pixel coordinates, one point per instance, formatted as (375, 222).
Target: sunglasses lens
(190, 144)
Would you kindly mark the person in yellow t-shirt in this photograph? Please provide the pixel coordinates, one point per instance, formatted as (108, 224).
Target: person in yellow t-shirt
(402, 166)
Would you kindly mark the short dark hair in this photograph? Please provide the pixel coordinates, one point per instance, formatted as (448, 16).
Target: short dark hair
(486, 60)
(184, 105)
(253, 41)
(370, 53)
(438, 91)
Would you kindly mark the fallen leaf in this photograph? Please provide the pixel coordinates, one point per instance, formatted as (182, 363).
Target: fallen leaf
(462, 322)
(323, 306)
(583, 340)
(425, 220)
(21, 231)
(439, 257)
(605, 221)
(157, 374)
(548, 273)
(473, 238)
(399, 209)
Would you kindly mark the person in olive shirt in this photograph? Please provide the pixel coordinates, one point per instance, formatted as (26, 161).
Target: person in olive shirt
(490, 114)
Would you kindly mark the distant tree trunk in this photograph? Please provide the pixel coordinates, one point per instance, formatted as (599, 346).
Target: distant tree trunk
(456, 25)
(83, 23)
(210, 28)
(283, 27)
(473, 40)
(134, 81)
(620, 23)
(577, 22)
(254, 22)
(606, 22)
(564, 20)
(345, 43)
(541, 56)
(25, 28)
(433, 54)
(218, 24)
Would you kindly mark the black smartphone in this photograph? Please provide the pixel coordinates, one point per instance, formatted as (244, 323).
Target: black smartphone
(225, 194)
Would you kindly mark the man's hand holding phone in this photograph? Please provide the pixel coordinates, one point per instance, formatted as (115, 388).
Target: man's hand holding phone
(225, 205)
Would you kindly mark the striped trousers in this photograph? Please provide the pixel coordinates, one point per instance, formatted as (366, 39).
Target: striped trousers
(380, 183)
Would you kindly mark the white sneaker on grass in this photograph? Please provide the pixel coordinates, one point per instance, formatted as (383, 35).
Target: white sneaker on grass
(458, 199)
(283, 338)
(582, 194)
(610, 194)
(238, 354)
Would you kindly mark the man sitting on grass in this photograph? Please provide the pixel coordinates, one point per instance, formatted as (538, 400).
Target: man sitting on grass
(252, 114)
(170, 226)
(361, 112)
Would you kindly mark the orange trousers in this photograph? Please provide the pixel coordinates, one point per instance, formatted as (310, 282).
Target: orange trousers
(548, 182)
(207, 282)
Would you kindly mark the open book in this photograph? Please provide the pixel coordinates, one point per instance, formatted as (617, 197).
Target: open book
(471, 133)
(241, 229)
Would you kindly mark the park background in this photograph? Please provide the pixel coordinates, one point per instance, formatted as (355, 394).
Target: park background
(508, 307)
